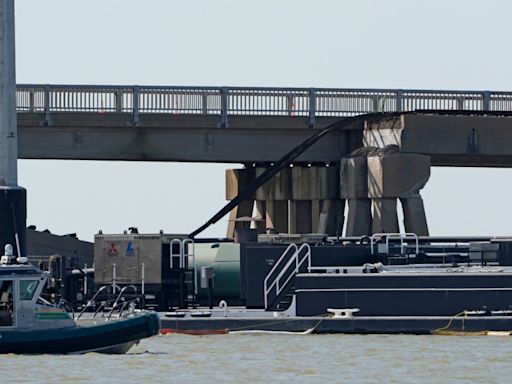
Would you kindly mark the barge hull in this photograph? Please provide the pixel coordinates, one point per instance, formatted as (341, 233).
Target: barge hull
(354, 325)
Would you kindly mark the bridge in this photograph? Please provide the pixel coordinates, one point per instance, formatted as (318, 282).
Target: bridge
(251, 125)
(390, 154)
(256, 126)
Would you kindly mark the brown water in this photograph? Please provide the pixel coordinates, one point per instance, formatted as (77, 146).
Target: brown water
(278, 358)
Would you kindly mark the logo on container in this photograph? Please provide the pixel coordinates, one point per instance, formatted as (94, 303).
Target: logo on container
(129, 249)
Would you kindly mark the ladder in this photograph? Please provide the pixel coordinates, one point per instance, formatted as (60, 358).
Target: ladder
(183, 272)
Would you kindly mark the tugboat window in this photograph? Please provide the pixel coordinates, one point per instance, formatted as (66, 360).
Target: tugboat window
(6, 304)
(27, 289)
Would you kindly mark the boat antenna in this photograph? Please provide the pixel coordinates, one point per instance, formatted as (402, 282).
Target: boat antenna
(18, 248)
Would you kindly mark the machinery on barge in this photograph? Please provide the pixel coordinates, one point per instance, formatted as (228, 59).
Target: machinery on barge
(381, 275)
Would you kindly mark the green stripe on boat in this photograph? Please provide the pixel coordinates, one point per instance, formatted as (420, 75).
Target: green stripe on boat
(52, 316)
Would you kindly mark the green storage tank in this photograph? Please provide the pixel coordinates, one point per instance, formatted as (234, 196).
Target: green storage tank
(225, 260)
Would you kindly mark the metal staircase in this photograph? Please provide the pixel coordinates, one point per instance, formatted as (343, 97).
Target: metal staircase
(279, 284)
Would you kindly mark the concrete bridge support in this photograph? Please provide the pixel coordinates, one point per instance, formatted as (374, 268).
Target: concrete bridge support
(398, 176)
(306, 199)
(299, 199)
(273, 197)
(415, 220)
(236, 181)
(354, 188)
(374, 181)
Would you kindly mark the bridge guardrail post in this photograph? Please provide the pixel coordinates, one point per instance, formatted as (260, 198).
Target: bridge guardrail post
(119, 101)
(135, 106)
(31, 98)
(46, 95)
(460, 103)
(312, 108)
(399, 99)
(375, 103)
(204, 100)
(290, 105)
(486, 101)
(224, 93)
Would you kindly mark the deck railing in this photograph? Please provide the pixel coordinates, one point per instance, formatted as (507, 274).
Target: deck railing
(225, 101)
(286, 267)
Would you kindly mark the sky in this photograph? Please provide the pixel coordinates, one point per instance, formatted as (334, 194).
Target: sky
(434, 44)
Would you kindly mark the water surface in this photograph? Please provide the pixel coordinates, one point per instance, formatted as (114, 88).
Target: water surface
(278, 358)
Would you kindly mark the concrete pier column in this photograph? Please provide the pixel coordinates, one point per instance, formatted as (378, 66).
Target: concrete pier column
(261, 209)
(336, 221)
(398, 175)
(415, 220)
(328, 216)
(359, 220)
(275, 193)
(316, 206)
(277, 215)
(385, 218)
(299, 216)
(354, 188)
(236, 181)
(315, 191)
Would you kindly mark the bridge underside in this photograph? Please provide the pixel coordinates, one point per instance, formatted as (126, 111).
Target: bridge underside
(452, 139)
(180, 138)
(449, 140)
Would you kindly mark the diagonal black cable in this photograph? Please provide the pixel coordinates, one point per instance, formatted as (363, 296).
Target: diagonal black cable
(283, 162)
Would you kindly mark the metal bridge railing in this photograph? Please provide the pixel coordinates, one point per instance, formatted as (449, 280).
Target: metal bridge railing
(225, 101)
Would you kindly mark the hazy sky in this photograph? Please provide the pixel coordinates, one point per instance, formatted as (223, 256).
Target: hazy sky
(360, 43)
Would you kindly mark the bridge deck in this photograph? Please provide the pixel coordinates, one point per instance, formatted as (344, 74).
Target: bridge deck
(254, 125)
